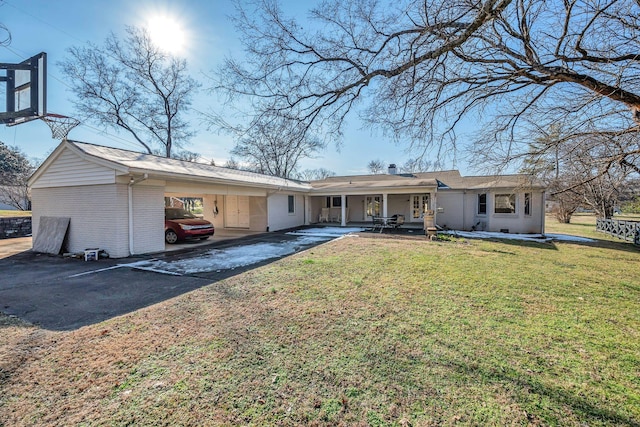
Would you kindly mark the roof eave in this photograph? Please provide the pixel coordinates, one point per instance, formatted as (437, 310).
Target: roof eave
(212, 180)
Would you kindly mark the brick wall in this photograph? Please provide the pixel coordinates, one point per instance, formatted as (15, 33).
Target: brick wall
(15, 227)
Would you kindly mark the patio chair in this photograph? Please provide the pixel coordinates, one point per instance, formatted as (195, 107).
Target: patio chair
(395, 221)
(324, 215)
(378, 222)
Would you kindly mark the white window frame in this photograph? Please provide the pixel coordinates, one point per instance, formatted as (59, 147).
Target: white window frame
(486, 204)
(512, 198)
(373, 206)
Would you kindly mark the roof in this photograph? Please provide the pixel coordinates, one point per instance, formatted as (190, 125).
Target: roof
(127, 162)
(131, 162)
(357, 183)
(443, 180)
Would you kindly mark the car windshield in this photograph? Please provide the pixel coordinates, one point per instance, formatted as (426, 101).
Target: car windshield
(177, 214)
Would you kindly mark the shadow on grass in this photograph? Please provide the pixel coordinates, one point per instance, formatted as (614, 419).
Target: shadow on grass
(595, 243)
(587, 410)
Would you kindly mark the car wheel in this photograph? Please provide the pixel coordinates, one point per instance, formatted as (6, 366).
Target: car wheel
(170, 237)
(204, 238)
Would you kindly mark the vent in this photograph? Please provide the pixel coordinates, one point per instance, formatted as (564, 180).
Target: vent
(392, 169)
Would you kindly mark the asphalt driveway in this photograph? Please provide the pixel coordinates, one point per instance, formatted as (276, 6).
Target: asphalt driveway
(63, 294)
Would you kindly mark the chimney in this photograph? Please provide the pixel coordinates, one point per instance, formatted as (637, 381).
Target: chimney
(392, 169)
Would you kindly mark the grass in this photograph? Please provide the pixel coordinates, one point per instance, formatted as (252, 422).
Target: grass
(6, 213)
(584, 225)
(361, 331)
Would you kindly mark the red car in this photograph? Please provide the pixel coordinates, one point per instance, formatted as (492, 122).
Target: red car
(180, 224)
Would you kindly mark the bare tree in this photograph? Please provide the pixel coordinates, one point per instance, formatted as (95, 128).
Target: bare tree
(15, 169)
(418, 164)
(417, 69)
(376, 166)
(574, 172)
(231, 164)
(274, 145)
(315, 174)
(132, 84)
(187, 155)
(565, 202)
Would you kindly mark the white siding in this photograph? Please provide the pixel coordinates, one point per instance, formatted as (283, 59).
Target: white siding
(70, 170)
(278, 212)
(519, 222)
(356, 208)
(258, 209)
(399, 204)
(450, 210)
(461, 212)
(99, 217)
(148, 218)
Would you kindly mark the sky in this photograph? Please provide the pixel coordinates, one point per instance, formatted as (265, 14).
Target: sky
(55, 26)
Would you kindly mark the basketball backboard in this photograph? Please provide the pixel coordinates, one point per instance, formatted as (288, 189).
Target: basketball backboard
(25, 86)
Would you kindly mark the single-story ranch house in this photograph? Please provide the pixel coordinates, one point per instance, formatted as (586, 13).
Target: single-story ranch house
(115, 198)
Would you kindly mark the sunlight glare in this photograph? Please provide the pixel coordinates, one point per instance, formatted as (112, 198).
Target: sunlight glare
(167, 34)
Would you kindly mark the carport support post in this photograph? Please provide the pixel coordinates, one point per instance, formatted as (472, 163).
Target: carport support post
(307, 210)
(130, 195)
(132, 182)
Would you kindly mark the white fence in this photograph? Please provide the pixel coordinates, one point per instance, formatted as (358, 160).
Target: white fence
(627, 230)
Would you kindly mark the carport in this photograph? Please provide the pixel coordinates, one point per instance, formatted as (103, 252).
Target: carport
(115, 198)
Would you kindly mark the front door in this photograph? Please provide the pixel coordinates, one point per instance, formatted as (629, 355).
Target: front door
(373, 205)
(236, 210)
(420, 203)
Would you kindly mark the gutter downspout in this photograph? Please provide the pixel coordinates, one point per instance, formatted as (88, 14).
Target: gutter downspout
(464, 209)
(543, 214)
(132, 182)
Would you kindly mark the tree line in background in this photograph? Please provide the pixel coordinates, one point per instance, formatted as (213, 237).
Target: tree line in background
(551, 88)
(15, 170)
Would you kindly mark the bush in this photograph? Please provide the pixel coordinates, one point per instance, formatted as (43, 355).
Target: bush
(631, 206)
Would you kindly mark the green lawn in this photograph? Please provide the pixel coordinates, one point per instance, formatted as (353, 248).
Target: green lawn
(360, 331)
(584, 225)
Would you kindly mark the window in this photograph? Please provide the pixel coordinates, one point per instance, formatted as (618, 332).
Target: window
(505, 203)
(482, 204)
(292, 204)
(335, 202)
(527, 203)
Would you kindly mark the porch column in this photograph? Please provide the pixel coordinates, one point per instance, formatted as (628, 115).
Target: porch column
(343, 210)
(307, 210)
(384, 204)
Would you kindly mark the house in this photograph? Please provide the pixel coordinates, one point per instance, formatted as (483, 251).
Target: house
(489, 203)
(115, 198)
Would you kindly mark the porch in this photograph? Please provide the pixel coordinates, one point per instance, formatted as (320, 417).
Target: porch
(360, 210)
(369, 224)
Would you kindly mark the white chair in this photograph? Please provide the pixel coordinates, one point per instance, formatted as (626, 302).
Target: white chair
(324, 215)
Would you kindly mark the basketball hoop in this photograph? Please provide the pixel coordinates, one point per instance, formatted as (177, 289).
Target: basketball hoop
(60, 125)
